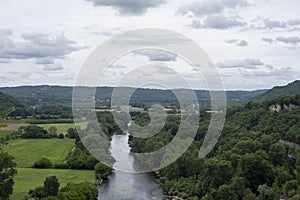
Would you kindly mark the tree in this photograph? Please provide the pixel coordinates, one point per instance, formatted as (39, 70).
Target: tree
(72, 133)
(51, 186)
(216, 173)
(78, 191)
(256, 170)
(102, 171)
(7, 172)
(33, 131)
(278, 154)
(52, 130)
(42, 163)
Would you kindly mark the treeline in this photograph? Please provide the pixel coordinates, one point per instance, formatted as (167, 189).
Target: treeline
(256, 157)
(75, 191)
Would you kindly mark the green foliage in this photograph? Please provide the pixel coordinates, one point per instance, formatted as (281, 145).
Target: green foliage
(33, 131)
(50, 189)
(51, 186)
(52, 130)
(79, 191)
(42, 163)
(102, 171)
(7, 172)
(12, 107)
(255, 157)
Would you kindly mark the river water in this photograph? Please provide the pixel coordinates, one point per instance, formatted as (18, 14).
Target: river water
(127, 186)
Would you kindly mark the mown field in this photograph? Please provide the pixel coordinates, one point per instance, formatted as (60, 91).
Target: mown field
(28, 178)
(27, 151)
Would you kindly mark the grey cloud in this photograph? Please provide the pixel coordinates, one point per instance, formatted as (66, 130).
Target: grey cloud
(207, 7)
(42, 47)
(44, 61)
(266, 23)
(289, 40)
(220, 21)
(230, 41)
(53, 67)
(294, 40)
(129, 7)
(270, 24)
(235, 3)
(4, 31)
(202, 8)
(268, 40)
(157, 55)
(293, 22)
(250, 63)
(165, 70)
(242, 43)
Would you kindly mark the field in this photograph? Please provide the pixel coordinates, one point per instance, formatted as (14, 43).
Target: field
(11, 126)
(27, 151)
(5, 133)
(28, 178)
(62, 128)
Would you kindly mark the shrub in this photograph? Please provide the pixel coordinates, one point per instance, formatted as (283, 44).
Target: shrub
(42, 163)
(102, 171)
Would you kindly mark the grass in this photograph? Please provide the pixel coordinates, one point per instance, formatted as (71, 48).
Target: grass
(5, 133)
(28, 178)
(27, 151)
(62, 128)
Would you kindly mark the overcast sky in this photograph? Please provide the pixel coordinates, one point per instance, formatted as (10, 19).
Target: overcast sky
(254, 44)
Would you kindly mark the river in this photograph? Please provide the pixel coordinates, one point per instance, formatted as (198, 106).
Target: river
(127, 186)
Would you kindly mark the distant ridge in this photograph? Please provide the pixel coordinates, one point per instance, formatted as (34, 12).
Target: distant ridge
(280, 91)
(35, 95)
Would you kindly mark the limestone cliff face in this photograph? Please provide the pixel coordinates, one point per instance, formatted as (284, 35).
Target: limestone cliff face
(278, 107)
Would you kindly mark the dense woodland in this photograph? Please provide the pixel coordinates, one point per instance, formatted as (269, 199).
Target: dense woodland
(257, 156)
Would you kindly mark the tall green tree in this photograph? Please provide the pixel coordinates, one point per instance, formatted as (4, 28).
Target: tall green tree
(7, 172)
(51, 186)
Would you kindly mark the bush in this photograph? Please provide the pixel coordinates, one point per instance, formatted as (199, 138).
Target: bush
(61, 166)
(61, 136)
(102, 171)
(42, 163)
(79, 191)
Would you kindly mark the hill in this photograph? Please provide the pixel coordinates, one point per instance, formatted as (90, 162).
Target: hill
(7, 102)
(37, 95)
(280, 91)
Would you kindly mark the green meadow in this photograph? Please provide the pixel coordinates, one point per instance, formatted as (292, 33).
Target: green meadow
(62, 128)
(27, 151)
(5, 133)
(28, 178)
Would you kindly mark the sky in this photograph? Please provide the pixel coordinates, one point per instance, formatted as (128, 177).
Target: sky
(254, 44)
